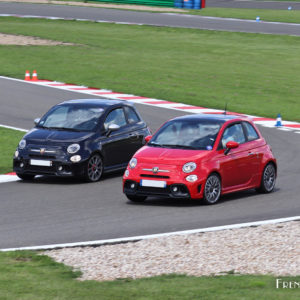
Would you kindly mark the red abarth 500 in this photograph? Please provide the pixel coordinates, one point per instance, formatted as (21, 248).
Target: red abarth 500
(201, 157)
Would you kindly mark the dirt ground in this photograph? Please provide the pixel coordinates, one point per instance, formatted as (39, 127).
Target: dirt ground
(10, 39)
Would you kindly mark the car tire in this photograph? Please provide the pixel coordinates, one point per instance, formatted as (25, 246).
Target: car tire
(212, 189)
(94, 168)
(268, 179)
(26, 177)
(136, 198)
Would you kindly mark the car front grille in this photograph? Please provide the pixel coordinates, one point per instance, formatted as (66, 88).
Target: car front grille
(154, 176)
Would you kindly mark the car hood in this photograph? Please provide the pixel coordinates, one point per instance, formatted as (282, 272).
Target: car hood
(169, 156)
(45, 136)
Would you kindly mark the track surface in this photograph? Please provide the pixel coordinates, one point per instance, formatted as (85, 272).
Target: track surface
(157, 19)
(54, 211)
(253, 4)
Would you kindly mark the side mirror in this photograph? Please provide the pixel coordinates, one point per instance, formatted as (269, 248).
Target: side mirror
(36, 121)
(230, 145)
(111, 128)
(148, 138)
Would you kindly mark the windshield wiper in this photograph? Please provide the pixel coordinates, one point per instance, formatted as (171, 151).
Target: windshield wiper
(156, 144)
(62, 128)
(181, 147)
(171, 146)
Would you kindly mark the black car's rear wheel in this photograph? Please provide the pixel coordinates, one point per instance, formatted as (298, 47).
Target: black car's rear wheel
(212, 189)
(25, 176)
(268, 179)
(94, 168)
(136, 198)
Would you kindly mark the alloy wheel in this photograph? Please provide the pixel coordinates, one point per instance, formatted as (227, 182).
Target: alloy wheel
(212, 189)
(94, 168)
(269, 177)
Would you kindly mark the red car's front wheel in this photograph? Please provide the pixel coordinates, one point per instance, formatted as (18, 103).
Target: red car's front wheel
(212, 189)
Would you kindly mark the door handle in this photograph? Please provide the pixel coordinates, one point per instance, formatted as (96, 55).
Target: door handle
(251, 153)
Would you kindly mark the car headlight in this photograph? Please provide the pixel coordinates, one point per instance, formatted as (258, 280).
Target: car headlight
(22, 144)
(73, 148)
(133, 163)
(189, 167)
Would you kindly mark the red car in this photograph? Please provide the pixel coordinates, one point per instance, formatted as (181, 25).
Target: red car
(201, 157)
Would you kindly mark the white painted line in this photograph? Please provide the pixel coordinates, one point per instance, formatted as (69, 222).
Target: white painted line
(153, 236)
(8, 178)
(14, 128)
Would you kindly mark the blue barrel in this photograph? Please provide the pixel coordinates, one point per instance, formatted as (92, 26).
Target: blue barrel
(197, 4)
(188, 4)
(178, 3)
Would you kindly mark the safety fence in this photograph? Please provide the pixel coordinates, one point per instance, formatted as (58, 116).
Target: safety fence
(188, 4)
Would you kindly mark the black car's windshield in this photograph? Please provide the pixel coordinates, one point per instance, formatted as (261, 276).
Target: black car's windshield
(187, 134)
(71, 117)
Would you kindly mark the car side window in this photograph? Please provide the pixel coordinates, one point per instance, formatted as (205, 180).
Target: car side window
(132, 117)
(233, 133)
(117, 117)
(251, 132)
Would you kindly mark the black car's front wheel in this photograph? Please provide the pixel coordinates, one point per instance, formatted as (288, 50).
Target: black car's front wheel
(94, 168)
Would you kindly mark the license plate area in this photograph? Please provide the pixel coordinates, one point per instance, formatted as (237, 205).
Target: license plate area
(39, 162)
(153, 183)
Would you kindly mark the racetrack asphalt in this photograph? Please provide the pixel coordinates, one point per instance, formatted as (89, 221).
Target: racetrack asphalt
(254, 4)
(55, 211)
(146, 18)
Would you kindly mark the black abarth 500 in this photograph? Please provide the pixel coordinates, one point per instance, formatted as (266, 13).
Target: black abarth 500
(81, 138)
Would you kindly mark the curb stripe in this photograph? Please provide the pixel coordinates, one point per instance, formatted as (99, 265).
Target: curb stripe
(153, 236)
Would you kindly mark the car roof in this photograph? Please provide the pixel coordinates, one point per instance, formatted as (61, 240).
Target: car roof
(222, 118)
(104, 103)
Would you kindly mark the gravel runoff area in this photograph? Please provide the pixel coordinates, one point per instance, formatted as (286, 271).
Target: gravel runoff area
(11, 39)
(103, 5)
(266, 249)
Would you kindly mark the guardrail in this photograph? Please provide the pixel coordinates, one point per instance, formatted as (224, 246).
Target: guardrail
(188, 4)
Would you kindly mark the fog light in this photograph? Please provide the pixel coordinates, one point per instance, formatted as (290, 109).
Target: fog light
(75, 158)
(126, 173)
(192, 178)
(132, 185)
(174, 189)
(60, 168)
(21, 165)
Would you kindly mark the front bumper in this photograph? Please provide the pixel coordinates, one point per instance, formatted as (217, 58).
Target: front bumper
(134, 188)
(176, 185)
(57, 168)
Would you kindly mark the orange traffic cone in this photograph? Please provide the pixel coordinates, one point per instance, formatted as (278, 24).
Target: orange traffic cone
(27, 76)
(34, 76)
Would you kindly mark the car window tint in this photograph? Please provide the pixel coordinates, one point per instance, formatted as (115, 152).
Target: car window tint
(251, 132)
(115, 117)
(233, 133)
(131, 115)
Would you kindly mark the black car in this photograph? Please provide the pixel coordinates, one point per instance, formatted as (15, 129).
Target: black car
(81, 138)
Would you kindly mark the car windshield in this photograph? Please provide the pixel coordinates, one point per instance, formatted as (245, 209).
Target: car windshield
(187, 134)
(72, 117)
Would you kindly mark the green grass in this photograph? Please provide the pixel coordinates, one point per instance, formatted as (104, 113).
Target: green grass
(275, 15)
(26, 275)
(9, 140)
(255, 73)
